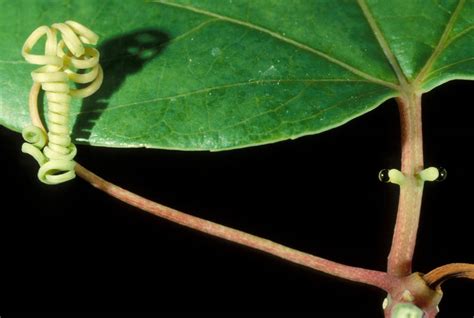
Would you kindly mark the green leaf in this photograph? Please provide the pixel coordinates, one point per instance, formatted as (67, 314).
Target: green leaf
(222, 74)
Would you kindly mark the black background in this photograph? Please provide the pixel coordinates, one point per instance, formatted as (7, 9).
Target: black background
(72, 248)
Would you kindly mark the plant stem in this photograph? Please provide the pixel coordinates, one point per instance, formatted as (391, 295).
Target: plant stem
(411, 190)
(370, 277)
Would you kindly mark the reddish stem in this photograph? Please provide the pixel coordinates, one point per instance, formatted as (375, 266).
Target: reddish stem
(370, 277)
(411, 191)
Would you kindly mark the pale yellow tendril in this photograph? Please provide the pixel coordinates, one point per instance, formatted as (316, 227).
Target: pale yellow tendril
(62, 62)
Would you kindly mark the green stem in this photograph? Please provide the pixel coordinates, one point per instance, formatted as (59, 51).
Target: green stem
(411, 191)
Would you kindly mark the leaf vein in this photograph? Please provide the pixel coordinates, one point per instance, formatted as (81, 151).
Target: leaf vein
(432, 72)
(193, 30)
(457, 36)
(441, 44)
(283, 122)
(392, 60)
(270, 111)
(285, 39)
(209, 89)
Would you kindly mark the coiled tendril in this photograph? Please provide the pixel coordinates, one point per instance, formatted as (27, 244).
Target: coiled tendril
(62, 62)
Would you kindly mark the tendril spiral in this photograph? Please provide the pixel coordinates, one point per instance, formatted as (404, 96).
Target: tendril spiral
(64, 61)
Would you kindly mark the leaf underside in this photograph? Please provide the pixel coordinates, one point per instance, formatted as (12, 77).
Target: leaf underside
(223, 74)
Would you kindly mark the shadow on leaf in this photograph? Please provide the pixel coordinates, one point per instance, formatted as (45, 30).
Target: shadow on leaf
(120, 57)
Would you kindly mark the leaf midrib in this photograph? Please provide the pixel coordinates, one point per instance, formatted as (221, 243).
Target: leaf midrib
(285, 39)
